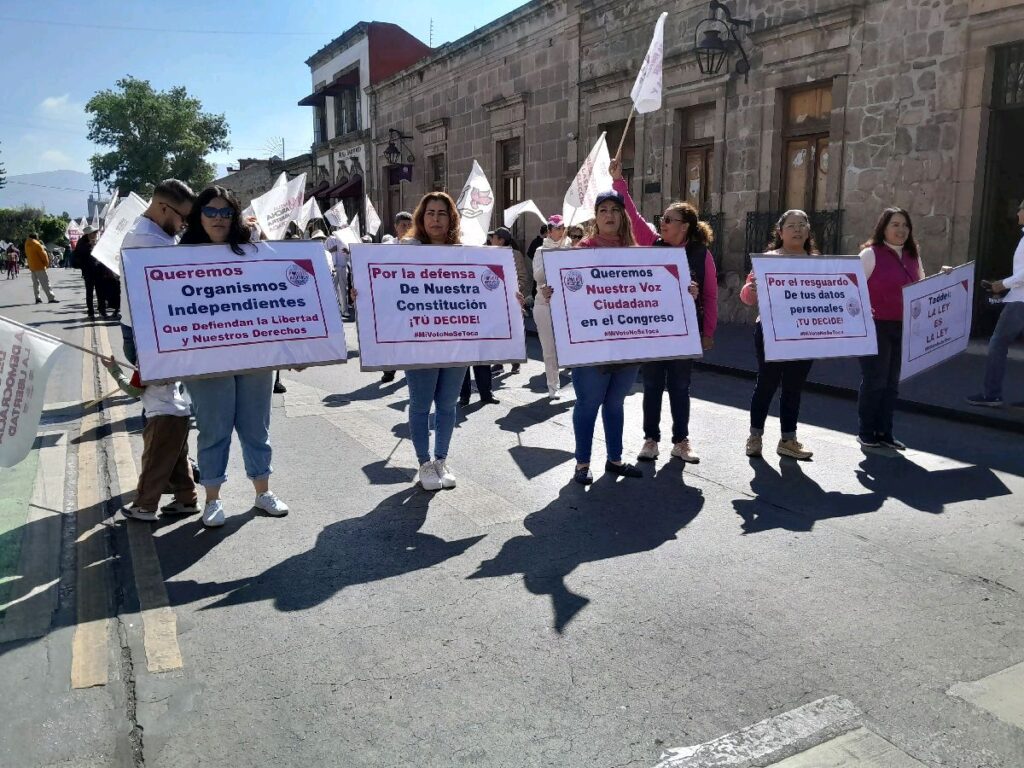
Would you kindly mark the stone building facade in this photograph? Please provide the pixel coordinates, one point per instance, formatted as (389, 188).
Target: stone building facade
(849, 107)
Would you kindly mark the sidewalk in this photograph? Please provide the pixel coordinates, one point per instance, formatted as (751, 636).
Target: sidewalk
(937, 392)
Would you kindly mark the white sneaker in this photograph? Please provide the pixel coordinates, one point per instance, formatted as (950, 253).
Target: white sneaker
(445, 473)
(554, 394)
(269, 503)
(681, 450)
(213, 514)
(428, 477)
(649, 452)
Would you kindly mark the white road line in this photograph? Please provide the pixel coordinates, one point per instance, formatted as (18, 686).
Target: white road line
(775, 737)
(858, 749)
(1001, 694)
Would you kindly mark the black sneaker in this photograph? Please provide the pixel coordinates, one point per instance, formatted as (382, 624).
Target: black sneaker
(463, 401)
(622, 470)
(868, 441)
(55, 301)
(279, 388)
(489, 400)
(39, 301)
(387, 377)
(583, 476)
(985, 402)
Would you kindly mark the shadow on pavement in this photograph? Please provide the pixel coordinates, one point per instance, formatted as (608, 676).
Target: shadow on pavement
(384, 543)
(610, 520)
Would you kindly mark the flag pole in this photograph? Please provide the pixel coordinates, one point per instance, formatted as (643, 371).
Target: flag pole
(618, 152)
(59, 340)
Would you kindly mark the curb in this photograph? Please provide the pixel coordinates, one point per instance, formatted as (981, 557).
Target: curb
(845, 393)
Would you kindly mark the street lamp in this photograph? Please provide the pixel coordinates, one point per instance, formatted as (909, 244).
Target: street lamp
(392, 153)
(710, 47)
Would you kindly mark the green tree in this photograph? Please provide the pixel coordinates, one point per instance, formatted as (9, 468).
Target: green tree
(153, 135)
(16, 224)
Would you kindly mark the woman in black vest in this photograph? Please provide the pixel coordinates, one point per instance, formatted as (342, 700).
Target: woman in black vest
(681, 228)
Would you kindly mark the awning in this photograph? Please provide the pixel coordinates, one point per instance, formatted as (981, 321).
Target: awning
(350, 188)
(335, 87)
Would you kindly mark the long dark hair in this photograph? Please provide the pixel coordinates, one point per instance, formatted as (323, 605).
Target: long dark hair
(238, 232)
(698, 232)
(419, 232)
(878, 238)
(775, 239)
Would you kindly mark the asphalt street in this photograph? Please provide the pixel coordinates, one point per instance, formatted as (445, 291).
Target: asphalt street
(740, 612)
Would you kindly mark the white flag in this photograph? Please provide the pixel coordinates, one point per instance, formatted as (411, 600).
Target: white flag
(26, 359)
(475, 205)
(107, 250)
(280, 181)
(372, 219)
(309, 211)
(278, 206)
(353, 229)
(592, 179)
(527, 206)
(336, 215)
(646, 93)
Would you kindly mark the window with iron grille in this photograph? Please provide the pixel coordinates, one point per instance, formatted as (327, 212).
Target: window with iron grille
(1009, 80)
(438, 172)
(319, 124)
(346, 112)
(510, 154)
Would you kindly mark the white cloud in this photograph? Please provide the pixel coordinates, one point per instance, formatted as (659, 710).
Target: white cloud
(61, 108)
(55, 160)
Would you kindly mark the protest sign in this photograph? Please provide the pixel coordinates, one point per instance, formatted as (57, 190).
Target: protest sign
(814, 307)
(108, 247)
(436, 306)
(937, 314)
(26, 359)
(278, 206)
(617, 305)
(202, 310)
(72, 232)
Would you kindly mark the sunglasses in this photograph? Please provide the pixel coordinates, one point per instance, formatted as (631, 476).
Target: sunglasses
(217, 213)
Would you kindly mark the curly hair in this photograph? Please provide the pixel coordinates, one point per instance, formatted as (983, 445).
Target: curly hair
(698, 232)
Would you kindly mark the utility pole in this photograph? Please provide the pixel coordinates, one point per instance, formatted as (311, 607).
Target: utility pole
(431, 43)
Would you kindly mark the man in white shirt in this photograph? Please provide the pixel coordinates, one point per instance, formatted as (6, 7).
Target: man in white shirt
(160, 224)
(1009, 327)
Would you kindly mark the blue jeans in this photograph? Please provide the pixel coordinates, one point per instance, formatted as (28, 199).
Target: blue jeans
(605, 391)
(440, 387)
(1008, 328)
(676, 375)
(238, 403)
(880, 381)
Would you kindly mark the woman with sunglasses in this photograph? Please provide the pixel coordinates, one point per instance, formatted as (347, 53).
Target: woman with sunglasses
(603, 387)
(237, 402)
(791, 236)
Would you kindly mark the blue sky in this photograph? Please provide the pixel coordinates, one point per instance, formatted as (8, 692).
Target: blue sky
(244, 60)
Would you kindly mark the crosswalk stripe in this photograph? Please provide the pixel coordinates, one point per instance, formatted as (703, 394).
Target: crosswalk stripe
(89, 655)
(860, 747)
(1001, 694)
(159, 622)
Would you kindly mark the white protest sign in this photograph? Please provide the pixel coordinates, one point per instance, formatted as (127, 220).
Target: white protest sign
(108, 247)
(937, 314)
(202, 310)
(372, 219)
(278, 206)
(72, 232)
(646, 93)
(592, 179)
(475, 204)
(617, 305)
(436, 306)
(309, 211)
(527, 206)
(814, 307)
(26, 359)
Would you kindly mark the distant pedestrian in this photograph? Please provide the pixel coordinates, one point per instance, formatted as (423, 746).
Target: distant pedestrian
(11, 262)
(238, 403)
(38, 261)
(165, 464)
(537, 242)
(554, 229)
(1008, 328)
(791, 236)
(83, 260)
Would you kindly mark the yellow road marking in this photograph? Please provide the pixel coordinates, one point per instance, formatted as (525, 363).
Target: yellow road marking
(89, 655)
(159, 622)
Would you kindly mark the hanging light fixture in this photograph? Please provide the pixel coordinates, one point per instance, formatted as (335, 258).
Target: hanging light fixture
(393, 152)
(715, 38)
